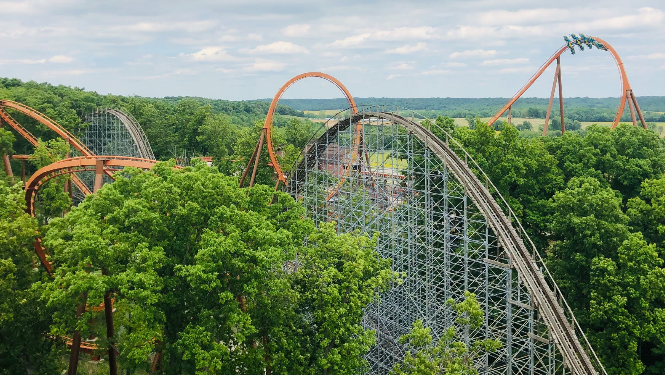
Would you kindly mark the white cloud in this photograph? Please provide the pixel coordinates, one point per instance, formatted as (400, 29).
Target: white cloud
(281, 47)
(435, 72)
(393, 76)
(645, 17)
(651, 56)
(407, 49)
(401, 66)
(341, 68)
(519, 60)
(23, 61)
(60, 59)
(476, 53)
(183, 72)
(523, 69)
(397, 34)
(351, 41)
(523, 16)
(159, 27)
(234, 37)
(298, 30)
(407, 33)
(265, 66)
(211, 54)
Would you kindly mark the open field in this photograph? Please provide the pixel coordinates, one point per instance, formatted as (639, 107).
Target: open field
(536, 123)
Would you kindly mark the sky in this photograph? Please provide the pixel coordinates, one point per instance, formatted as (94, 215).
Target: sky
(240, 50)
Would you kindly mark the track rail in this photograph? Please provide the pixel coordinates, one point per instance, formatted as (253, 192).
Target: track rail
(34, 141)
(69, 167)
(527, 263)
(135, 131)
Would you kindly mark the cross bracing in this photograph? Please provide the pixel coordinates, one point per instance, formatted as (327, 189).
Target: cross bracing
(111, 132)
(443, 228)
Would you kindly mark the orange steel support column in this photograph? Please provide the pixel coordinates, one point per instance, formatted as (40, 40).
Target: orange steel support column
(527, 85)
(632, 111)
(8, 166)
(625, 84)
(258, 157)
(108, 313)
(558, 63)
(549, 106)
(99, 175)
(76, 340)
(637, 108)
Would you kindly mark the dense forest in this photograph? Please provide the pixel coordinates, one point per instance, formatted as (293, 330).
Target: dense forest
(198, 265)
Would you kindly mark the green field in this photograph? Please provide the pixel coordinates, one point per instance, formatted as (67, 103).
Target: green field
(536, 123)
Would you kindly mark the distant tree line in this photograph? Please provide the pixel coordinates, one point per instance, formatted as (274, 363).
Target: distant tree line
(579, 109)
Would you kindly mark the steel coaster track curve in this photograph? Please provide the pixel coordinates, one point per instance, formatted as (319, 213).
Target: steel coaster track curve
(44, 120)
(554, 316)
(273, 106)
(625, 84)
(34, 141)
(71, 166)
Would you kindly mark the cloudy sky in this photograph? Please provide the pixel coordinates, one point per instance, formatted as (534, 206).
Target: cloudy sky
(246, 49)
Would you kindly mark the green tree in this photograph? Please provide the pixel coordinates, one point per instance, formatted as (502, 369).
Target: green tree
(450, 354)
(611, 277)
(25, 347)
(214, 277)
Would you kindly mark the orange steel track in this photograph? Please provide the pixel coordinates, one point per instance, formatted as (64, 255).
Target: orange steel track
(98, 164)
(626, 90)
(266, 134)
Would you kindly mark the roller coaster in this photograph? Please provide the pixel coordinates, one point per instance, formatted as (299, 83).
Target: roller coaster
(627, 95)
(440, 219)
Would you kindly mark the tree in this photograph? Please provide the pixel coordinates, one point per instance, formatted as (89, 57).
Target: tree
(25, 347)
(611, 277)
(526, 125)
(213, 277)
(53, 200)
(449, 355)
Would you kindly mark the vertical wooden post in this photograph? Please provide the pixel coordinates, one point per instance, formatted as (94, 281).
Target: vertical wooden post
(510, 115)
